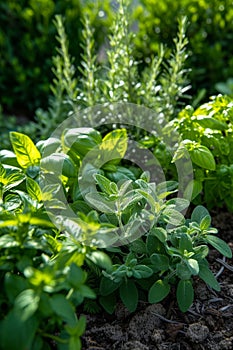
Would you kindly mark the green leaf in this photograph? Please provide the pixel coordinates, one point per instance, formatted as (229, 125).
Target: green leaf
(62, 307)
(193, 266)
(210, 123)
(59, 164)
(185, 243)
(76, 275)
(220, 245)
(107, 286)
(26, 304)
(16, 334)
(114, 145)
(203, 157)
(26, 152)
(160, 233)
(160, 261)
(129, 295)
(159, 290)
(100, 259)
(33, 189)
(205, 222)
(108, 302)
(207, 276)
(173, 217)
(100, 202)
(199, 213)
(143, 270)
(106, 185)
(193, 189)
(75, 343)
(184, 294)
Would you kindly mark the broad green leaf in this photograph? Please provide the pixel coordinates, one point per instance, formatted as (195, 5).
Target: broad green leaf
(193, 266)
(159, 290)
(114, 144)
(193, 189)
(199, 213)
(207, 276)
(143, 271)
(205, 222)
(16, 334)
(14, 285)
(138, 246)
(106, 185)
(13, 180)
(76, 276)
(173, 217)
(220, 245)
(100, 202)
(26, 304)
(129, 295)
(184, 294)
(160, 233)
(210, 123)
(107, 286)
(108, 302)
(160, 261)
(33, 189)
(183, 271)
(26, 152)
(63, 308)
(203, 157)
(59, 164)
(74, 343)
(185, 243)
(78, 329)
(100, 259)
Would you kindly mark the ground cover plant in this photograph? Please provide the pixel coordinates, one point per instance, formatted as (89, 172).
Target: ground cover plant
(52, 274)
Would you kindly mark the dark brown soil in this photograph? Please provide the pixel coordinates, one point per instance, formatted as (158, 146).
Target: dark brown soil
(207, 325)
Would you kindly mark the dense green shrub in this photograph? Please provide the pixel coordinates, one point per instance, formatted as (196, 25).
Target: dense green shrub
(27, 44)
(210, 34)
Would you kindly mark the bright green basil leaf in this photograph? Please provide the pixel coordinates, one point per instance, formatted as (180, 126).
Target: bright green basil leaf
(203, 157)
(26, 152)
(210, 123)
(114, 145)
(159, 290)
(33, 189)
(184, 294)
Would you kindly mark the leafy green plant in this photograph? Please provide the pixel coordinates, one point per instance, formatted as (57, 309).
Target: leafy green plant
(26, 63)
(208, 20)
(207, 134)
(41, 271)
(153, 246)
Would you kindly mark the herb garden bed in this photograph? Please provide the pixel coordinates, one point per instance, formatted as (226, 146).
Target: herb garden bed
(207, 325)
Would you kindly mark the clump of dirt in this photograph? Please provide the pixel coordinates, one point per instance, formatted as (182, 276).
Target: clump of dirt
(207, 325)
